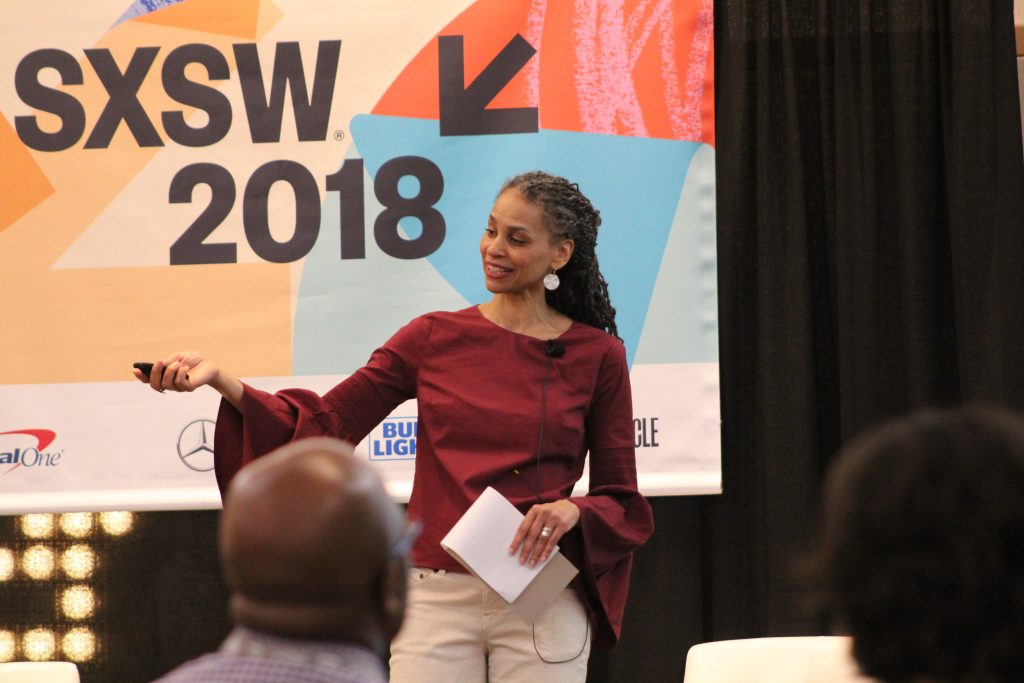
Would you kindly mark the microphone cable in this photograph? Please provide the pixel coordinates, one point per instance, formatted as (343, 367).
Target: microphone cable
(555, 349)
(543, 414)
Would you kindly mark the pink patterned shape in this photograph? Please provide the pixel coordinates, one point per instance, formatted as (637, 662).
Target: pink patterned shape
(689, 122)
(605, 52)
(534, 35)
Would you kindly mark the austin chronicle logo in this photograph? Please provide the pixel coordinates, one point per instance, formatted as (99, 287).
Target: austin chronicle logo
(195, 445)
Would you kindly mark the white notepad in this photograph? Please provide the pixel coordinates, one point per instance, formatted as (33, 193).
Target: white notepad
(480, 541)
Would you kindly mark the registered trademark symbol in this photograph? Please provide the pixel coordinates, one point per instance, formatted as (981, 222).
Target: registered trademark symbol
(339, 135)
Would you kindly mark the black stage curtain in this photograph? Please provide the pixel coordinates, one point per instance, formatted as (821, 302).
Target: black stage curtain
(870, 212)
(871, 261)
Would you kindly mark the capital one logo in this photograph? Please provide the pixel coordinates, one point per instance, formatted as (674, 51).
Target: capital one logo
(195, 445)
(27, 448)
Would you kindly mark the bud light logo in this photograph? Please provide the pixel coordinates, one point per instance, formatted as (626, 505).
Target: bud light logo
(394, 439)
(27, 448)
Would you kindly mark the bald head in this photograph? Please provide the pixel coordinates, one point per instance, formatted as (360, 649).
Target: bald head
(305, 540)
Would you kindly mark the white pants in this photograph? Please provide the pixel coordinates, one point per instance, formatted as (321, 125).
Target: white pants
(457, 629)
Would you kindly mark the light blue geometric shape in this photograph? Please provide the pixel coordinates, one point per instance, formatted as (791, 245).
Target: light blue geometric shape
(682, 319)
(347, 308)
(634, 182)
(141, 7)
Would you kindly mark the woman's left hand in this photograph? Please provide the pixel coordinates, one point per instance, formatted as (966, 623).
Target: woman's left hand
(540, 530)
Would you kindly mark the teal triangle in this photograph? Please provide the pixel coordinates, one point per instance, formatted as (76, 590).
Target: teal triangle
(634, 182)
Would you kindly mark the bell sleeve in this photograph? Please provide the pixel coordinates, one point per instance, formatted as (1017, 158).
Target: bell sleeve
(349, 411)
(615, 518)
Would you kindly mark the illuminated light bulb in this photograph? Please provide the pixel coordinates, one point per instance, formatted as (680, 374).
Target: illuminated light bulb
(79, 645)
(78, 602)
(7, 564)
(8, 645)
(37, 525)
(76, 524)
(39, 644)
(78, 561)
(117, 523)
(38, 562)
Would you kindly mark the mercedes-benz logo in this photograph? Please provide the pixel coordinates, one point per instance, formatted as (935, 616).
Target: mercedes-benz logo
(195, 445)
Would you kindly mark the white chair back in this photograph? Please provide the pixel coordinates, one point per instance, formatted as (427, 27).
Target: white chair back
(38, 672)
(804, 659)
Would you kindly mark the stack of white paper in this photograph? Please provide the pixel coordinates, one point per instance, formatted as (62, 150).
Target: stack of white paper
(480, 542)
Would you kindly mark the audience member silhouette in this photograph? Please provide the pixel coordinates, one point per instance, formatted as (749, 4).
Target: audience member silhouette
(923, 547)
(315, 555)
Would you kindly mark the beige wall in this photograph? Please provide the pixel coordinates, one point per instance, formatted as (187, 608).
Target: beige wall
(1018, 21)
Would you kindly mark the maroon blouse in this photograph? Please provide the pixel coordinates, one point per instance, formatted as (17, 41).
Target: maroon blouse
(480, 390)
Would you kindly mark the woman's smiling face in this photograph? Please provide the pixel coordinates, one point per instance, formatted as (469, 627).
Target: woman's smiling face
(516, 248)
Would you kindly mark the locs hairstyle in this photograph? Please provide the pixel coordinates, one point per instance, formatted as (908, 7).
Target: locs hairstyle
(583, 293)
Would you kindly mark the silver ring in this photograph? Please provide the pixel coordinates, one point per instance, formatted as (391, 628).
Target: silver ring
(545, 532)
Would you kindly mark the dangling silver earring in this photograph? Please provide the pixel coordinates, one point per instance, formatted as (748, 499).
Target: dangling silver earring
(551, 281)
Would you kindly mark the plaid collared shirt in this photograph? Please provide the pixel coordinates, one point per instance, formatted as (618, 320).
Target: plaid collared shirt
(247, 656)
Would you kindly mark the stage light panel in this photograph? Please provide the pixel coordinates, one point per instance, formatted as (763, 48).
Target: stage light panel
(37, 562)
(37, 525)
(53, 553)
(78, 561)
(39, 644)
(8, 645)
(7, 564)
(117, 523)
(79, 645)
(76, 524)
(78, 602)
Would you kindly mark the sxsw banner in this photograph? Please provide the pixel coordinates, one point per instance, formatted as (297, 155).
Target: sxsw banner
(282, 184)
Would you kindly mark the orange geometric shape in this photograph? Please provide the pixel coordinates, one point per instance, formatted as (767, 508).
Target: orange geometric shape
(24, 183)
(487, 27)
(269, 14)
(638, 68)
(238, 18)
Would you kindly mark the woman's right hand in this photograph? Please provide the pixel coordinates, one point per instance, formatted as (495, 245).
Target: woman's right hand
(187, 371)
(182, 371)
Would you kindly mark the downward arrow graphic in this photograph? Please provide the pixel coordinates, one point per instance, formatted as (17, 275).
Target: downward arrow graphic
(463, 111)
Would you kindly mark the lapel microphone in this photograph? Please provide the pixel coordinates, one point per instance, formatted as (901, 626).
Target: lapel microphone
(556, 349)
